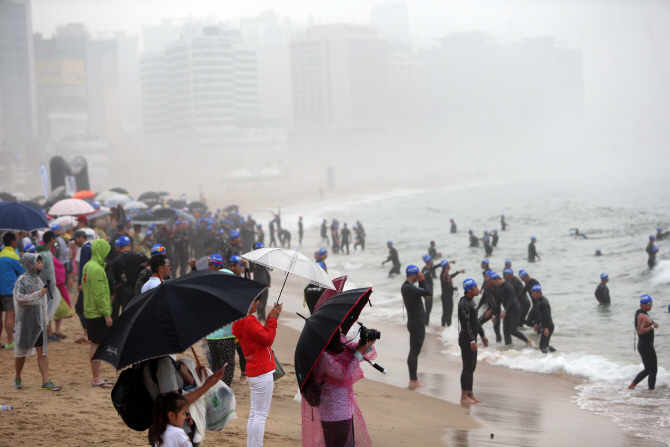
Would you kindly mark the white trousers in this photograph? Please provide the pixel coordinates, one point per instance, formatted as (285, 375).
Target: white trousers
(261, 396)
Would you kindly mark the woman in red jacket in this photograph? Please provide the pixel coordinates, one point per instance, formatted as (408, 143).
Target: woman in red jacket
(256, 342)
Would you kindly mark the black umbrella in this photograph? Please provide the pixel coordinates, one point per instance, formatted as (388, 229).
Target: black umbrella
(231, 208)
(149, 195)
(341, 310)
(195, 207)
(146, 218)
(7, 197)
(164, 213)
(172, 317)
(179, 204)
(163, 193)
(32, 203)
(119, 190)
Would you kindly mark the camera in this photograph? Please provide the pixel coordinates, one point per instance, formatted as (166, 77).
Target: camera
(368, 335)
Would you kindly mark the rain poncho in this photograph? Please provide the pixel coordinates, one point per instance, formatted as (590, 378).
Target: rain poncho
(49, 274)
(31, 309)
(95, 284)
(337, 373)
(64, 308)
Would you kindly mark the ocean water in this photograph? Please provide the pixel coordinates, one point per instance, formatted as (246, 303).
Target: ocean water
(594, 343)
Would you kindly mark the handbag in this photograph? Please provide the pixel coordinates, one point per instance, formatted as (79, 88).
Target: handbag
(279, 370)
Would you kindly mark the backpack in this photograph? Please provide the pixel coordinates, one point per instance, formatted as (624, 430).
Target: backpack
(131, 398)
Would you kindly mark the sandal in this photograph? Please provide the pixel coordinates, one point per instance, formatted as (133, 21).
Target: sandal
(82, 340)
(103, 385)
(61, 336)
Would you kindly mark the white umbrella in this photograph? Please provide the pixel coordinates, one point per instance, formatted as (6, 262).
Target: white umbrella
(70, 207)
(104, 195)
(65, 222)
(134, 204)
(117, 199)
(291, 262)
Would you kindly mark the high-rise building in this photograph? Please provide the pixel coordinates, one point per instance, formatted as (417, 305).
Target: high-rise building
(391, 21)
(18, 125)
(340, 78)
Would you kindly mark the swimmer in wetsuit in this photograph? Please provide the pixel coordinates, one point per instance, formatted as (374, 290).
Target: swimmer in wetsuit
(506, 295)
(447, 291)
(644, 327)
(602, 292)
(521, 297)
(599, 252)
(545, 324)
(651, 262)
(453, 226)
(532, 251)
(488, 250)
(494, 238)
(493, 311)
(474, 242)
(531, 320)
(416, 316)
(428, 272)
(577, 234)
(503, 224)
(660, 234)
(467, 339)
(393, 257)
(432, 251)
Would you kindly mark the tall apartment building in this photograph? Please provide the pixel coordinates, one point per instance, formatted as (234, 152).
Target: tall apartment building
(18, 124)
(340, 78)
(391, 20)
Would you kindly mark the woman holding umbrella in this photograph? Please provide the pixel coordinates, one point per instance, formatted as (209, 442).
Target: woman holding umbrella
(256, 341)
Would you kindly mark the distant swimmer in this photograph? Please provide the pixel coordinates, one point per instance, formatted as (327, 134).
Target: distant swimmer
(506, 295)
(577, 234)
(660, 234)
(432, 251)
(416, 316)
(474, 241)
(320, 256)
(529, 283)
(602, 292)
(428, 272)
(508, 264)
(447, 292)
(545, 324)
(650, 245)
(503, 224)
(346, 239)
(493, 311)
(494, 238)
(324, 232)
(644, 327)
(393, 257)
(453, 226)
(485, 269)
(599, 252)
(651, 262)
(467, 339)
(521, 297)
(488, 250)
(532, 252)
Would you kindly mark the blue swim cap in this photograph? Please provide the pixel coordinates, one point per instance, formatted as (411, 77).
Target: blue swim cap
(469, 284)
(645, 299)
(322, 251)
(54, 227)
(603, 276)
(485, 261)
(259, 226)
(444, 263)
(234, 235)
(486, 232)
(655, 249)
(152, 226)
(651, 236)
(389, 242)
(658, 228)
(488, 272)
(502, 215)
(597, 250)
(30, 248)
(258, 245)
(469, 231)
(411, 270)
(122, 241)
(325, 220)
(508, 271)
(536, 288)
(533, 238)
(235, 260)
(215, 259)
(494, 275)
(345, 224)
(320, 264)
(523, 273)
(95, 204)
(221, 231)
(158, 249)
(507, 261)
(148, 233)
(427, 258)
(209, 227)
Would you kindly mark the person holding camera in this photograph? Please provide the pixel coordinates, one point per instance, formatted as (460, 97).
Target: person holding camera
(416, 318)
(330, 415)
(467, 339)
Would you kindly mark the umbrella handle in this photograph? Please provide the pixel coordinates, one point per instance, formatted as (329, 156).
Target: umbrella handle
(282, 288)
(197, 360)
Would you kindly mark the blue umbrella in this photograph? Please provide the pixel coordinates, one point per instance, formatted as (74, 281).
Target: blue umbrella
(20, 217)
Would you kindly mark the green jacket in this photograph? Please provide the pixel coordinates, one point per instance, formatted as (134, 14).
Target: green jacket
(94, 283)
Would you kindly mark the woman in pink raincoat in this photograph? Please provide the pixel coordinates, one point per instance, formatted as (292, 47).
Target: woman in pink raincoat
(330, 415)
(64, 308)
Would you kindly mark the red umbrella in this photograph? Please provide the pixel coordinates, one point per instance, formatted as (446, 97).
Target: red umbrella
(83, 195)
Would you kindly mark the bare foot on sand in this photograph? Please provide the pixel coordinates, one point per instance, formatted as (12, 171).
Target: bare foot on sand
(243, 380)
(530, 342)
(472, 396)
(467, 401)
(414, 384)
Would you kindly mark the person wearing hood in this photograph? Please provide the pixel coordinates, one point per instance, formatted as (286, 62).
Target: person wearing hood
(97, 304)
(30, 302)
(10, 270)
(48, 277)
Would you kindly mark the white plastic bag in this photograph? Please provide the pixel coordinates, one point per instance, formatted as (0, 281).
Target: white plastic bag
(220, 401)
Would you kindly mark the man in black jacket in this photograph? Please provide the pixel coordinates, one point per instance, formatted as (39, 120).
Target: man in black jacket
(125, 269)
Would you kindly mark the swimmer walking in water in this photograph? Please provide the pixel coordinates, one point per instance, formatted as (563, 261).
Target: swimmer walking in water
(644, 327)
(602, 292)
(467, 339)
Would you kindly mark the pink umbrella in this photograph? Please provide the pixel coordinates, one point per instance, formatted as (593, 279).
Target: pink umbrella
(70, 207)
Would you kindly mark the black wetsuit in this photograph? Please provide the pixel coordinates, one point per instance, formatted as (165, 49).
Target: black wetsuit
(312, 295)
(603, 293)
(662, 235)
(651, 262)
(453, 227)
(544, 322)
(469, 328)
(494, 239)
(645, 347)
(324, 232)
(503, 224)
(532, 318)
(429, 274)
(231, 250)
(180, 246)
(507, 296)
(532, 252)
(432, 252)
(273, 241)
(346, 239)
(126, 268)
(416, 316)
(300, 232)
(488, 249)
(393, 254)
(447, 296)
(474, 242)
(490, 300)
(522, 299)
